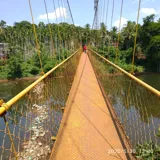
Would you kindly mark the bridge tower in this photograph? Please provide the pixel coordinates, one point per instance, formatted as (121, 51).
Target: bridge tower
(95, 22)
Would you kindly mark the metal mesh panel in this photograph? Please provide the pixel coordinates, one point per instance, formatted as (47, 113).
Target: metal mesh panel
(137, 108)
(27, 127)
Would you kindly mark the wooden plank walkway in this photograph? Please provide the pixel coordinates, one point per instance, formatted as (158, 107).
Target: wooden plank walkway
(87, 131)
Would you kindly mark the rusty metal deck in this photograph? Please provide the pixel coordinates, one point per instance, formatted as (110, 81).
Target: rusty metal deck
(87, 131)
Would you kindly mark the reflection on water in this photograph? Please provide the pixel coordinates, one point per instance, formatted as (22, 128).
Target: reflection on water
(136, 107)
(31, 117)
(151, 79)
(11, 88)
(36, 117)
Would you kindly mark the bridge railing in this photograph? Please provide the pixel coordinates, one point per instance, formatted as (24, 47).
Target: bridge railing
(135, 103)
(31, 118)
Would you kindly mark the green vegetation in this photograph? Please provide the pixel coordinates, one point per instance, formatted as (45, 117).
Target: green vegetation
(19, 57)
(22, 57)
(148, 150)
(147, 57)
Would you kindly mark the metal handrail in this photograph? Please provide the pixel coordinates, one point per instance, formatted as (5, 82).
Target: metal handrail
(6, 106)
(150, 88)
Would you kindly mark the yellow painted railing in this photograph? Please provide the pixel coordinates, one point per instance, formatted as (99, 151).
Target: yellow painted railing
(31, 118)
(136, 104)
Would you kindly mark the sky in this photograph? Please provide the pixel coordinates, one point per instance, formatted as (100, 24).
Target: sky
(83, 11)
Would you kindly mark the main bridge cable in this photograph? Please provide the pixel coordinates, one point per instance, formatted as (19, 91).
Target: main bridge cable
(61, 17)
(100, 24)
(58, 34)
(119, 32)
(60, 11)
(101, 13)
(70, 11)
(64, 16)
(73, 22)
(50, 28)
(111, 26)
(135, 38)
(64, 11)
(36, 38)
(105, 22)
(107, 12)
(104, 8)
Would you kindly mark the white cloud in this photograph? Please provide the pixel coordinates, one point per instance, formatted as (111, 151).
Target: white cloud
(148, 11)
(123, 22)
(59, 12)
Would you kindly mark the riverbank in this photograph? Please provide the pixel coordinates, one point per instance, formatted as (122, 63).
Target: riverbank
(146, 73)
(37, 76)
(19, 79)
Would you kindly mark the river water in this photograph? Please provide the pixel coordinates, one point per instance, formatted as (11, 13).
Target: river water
(11, 88)
(153, 80)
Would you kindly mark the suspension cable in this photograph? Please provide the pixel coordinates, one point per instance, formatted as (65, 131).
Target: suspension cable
(36, 38)
(119, 32)
(70, 11)
(50, 27)
(63, 12)
(54, 6)
(107, 12)
(58, 34)
(107, 18)
(112, 15)
(95, 14)
(60, 11)
(65, 20)
(101, 13)
(103, 21)
(104, 7)
(135, 38)
(111, 26)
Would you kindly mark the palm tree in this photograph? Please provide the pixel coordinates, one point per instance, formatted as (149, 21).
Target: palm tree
(114, 34)
(128, 34)
(87, 33)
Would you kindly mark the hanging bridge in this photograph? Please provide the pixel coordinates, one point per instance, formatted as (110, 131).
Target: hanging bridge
(86, 107)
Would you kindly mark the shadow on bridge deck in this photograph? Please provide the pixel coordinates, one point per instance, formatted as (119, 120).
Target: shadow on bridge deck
(87, 131)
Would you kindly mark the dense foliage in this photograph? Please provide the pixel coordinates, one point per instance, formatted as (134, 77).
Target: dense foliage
(22, 59)
(147, 56)
(21, 54)
(148, 150)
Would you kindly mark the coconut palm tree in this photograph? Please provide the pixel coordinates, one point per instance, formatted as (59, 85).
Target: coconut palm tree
(128, 34)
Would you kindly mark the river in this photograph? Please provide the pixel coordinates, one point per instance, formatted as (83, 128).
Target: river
(11, 88)
(151, 79)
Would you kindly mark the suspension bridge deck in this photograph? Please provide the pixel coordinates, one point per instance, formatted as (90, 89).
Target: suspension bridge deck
(87, 130)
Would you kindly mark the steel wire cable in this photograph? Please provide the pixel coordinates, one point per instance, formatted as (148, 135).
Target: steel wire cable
(119, 32)
(135, 38)
(50, 29)
(36, 38)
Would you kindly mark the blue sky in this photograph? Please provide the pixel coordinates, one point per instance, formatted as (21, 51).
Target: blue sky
(83, 10)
